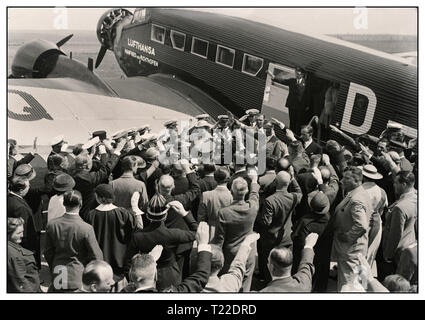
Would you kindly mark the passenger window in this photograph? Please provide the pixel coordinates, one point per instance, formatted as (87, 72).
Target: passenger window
(251, 64)
(225, 56)
(178, 40)
(158, 34)
(200, 47)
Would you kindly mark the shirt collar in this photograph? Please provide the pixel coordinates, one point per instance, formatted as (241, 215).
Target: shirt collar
(15, 194)
(145, 287)
(72, 213)
(308, 142)
(106, 207)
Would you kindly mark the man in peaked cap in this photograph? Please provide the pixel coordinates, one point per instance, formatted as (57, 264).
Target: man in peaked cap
(299, 99)
(249, 118)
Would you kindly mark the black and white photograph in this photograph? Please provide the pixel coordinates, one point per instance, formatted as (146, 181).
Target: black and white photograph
(211, 150)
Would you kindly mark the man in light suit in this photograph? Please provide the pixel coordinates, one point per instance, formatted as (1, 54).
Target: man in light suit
(235, 222)
(280, 265)
(214, 200)
(274, 220)
(352, 224)
(125, 186)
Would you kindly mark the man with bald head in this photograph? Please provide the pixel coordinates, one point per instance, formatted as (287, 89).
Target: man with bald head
(280, 265)
(236, 222)
(166, 186)
(98, 277)
(274, 220)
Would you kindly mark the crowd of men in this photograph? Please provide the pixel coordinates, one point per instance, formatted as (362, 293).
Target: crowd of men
(134, 213)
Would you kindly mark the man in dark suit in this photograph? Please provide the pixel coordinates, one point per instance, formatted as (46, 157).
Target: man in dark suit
(280, 265)
(70, 245)
(17, 207)
(208, 182)
(299, 98)
(169, 271)
(274, 219)
(240, 172)
(310, 147)
(12, 163)
(143, 268)
(87, 180)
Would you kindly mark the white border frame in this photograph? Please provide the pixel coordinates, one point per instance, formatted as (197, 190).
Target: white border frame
(221, 63)
(172, 39)
(243, 64)
(152, 28)
(197, 54)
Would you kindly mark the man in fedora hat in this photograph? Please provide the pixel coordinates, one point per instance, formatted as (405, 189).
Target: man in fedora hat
(379, 206)
(61, 184)
(315, 221)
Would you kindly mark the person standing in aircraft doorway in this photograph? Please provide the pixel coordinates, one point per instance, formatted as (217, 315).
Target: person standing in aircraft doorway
(299, 98)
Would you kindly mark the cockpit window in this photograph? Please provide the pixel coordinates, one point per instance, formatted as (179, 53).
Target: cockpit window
(178, 40)
(139, 15)
(200, 47)
(225, 56)
(158, 34)
(251, 64)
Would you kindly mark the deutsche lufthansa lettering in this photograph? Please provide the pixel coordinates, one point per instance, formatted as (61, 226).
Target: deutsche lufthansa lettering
(141, 46)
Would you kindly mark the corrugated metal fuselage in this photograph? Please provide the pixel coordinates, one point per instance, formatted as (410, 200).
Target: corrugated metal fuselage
(389, 86)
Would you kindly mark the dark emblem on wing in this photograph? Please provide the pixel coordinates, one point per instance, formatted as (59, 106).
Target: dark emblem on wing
(34, 110)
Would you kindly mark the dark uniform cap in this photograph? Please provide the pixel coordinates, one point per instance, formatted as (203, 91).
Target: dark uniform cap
(101, 134)
(170, 123)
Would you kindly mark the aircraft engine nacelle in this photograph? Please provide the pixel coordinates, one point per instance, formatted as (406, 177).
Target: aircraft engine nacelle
(106, 30)
(35, 59)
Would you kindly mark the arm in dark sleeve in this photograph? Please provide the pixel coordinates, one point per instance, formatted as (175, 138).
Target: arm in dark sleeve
(26, 159)
(306, 270)
(100, 176)
(296, 191)
(266, 214)
(199, 279)
(49, 251)
(93, 249)
(188, 197)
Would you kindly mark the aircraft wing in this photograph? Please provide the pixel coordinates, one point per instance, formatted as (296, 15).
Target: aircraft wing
(46, 112)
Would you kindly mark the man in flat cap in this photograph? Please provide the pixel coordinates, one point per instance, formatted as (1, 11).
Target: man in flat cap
(298, 101)
(249, 118)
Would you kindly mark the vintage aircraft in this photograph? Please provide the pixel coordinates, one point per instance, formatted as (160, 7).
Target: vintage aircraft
(181, 63)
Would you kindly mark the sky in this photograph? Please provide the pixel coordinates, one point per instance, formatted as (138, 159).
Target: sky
(314, 20)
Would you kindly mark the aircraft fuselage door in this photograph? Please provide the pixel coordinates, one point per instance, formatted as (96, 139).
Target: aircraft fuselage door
(275, 94)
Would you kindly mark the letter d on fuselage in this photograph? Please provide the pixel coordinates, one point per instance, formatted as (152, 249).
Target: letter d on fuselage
(349, 109)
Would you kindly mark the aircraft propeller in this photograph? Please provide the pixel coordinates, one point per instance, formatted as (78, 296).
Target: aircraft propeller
(64, 40)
